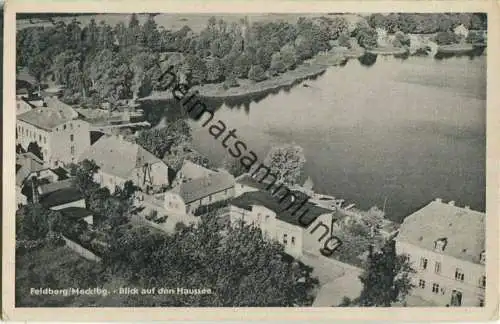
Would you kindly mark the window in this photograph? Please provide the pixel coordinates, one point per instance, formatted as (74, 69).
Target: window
(459, 275)
(435, 288)
(267, 218)
(293, 240)
(440, 244)
(421, 283)
(481, 302)
(210, 198)
(44, 140)
(72, 150)
(423, 263)
(456, 298)
(71, 137)
(482, 257)
(437, 267)
(64, 127)
(482, 282)
(285, 239)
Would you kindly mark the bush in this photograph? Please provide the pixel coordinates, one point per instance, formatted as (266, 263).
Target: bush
(446, 38)
(344, 41)
(257, 73)
(475, 38)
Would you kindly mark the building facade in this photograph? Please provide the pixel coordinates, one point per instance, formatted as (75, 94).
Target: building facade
(445, 245)
(57, 129)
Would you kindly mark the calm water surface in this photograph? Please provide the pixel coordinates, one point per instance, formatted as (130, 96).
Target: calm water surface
(401, 131)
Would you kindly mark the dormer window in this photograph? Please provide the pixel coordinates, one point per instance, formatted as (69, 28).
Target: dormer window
(440, 244)
(482, 257)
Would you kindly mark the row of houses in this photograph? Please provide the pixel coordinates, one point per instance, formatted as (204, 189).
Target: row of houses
(444, 242)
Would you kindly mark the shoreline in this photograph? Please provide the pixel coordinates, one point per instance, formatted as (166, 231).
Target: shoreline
(307, 70)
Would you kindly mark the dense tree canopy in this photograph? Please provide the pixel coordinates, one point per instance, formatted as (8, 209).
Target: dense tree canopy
(286, 162)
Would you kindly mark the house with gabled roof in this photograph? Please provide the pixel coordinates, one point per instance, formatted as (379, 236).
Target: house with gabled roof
(296, 231)
(58, 130)
(445, 244)
(120, 160)
(187, 196)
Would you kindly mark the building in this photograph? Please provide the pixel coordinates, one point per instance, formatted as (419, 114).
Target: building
(28, 166)
(58, 131)
(120, 160)
(263, 210)
(188, 196)
(461, 30)
(446, 245)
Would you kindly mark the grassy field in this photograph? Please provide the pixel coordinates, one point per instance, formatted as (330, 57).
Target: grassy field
(172, 21)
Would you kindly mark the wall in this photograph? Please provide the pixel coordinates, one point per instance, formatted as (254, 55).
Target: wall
(78, 203)
(292, 232)
(27, 133)
(81, 250)
(210, 199)
(471, 292)
(61, 141)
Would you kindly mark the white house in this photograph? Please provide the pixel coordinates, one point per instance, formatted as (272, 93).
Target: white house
(57, 129)
(120, 160)
(446, 245)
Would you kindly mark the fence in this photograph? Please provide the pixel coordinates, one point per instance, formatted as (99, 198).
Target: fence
(81, 250)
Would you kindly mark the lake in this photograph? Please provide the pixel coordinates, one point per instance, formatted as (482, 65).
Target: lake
(403, 131)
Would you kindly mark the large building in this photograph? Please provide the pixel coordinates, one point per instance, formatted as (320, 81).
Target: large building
(57, 129)
(446, 245)
(120, 160)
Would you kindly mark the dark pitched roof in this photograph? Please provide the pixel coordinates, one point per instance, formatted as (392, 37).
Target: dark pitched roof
(75, 212)
(63, 174)
(54, 186)
(60, 197)
(463, 228)
(202, 187)
(266, 199)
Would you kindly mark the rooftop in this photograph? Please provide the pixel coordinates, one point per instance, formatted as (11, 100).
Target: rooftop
(60, 197)
(26, 163)
(202, 187)
(116, 156)
(463, 228)
(55, 114)
(247, 180)
(54, 186)
(192, 170)
(266, 199)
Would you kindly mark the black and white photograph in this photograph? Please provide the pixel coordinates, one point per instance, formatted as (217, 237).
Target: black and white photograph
(333, 160)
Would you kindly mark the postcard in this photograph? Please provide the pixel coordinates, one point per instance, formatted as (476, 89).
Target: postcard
(250, 160)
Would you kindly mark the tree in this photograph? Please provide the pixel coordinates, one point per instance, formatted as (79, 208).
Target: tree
(163, 140)
(34, 148)
(277, 65)
(386, 279)
(233, 166)
(242, 65)
(401, 40)
(239, 265)
(257, 73)
(366, 37)
(84, 178)
(215, 70)
(33, 223)
(475, 38)
(286, 162)
(344, 40)
(338, 26)
(289, 56)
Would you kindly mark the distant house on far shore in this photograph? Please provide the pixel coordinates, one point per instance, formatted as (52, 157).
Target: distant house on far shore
(461, 30)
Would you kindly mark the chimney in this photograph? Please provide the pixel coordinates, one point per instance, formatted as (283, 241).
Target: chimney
(451, 203)
(439, 200)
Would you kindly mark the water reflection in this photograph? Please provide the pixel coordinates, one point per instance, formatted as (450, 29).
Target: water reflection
(368, 59)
